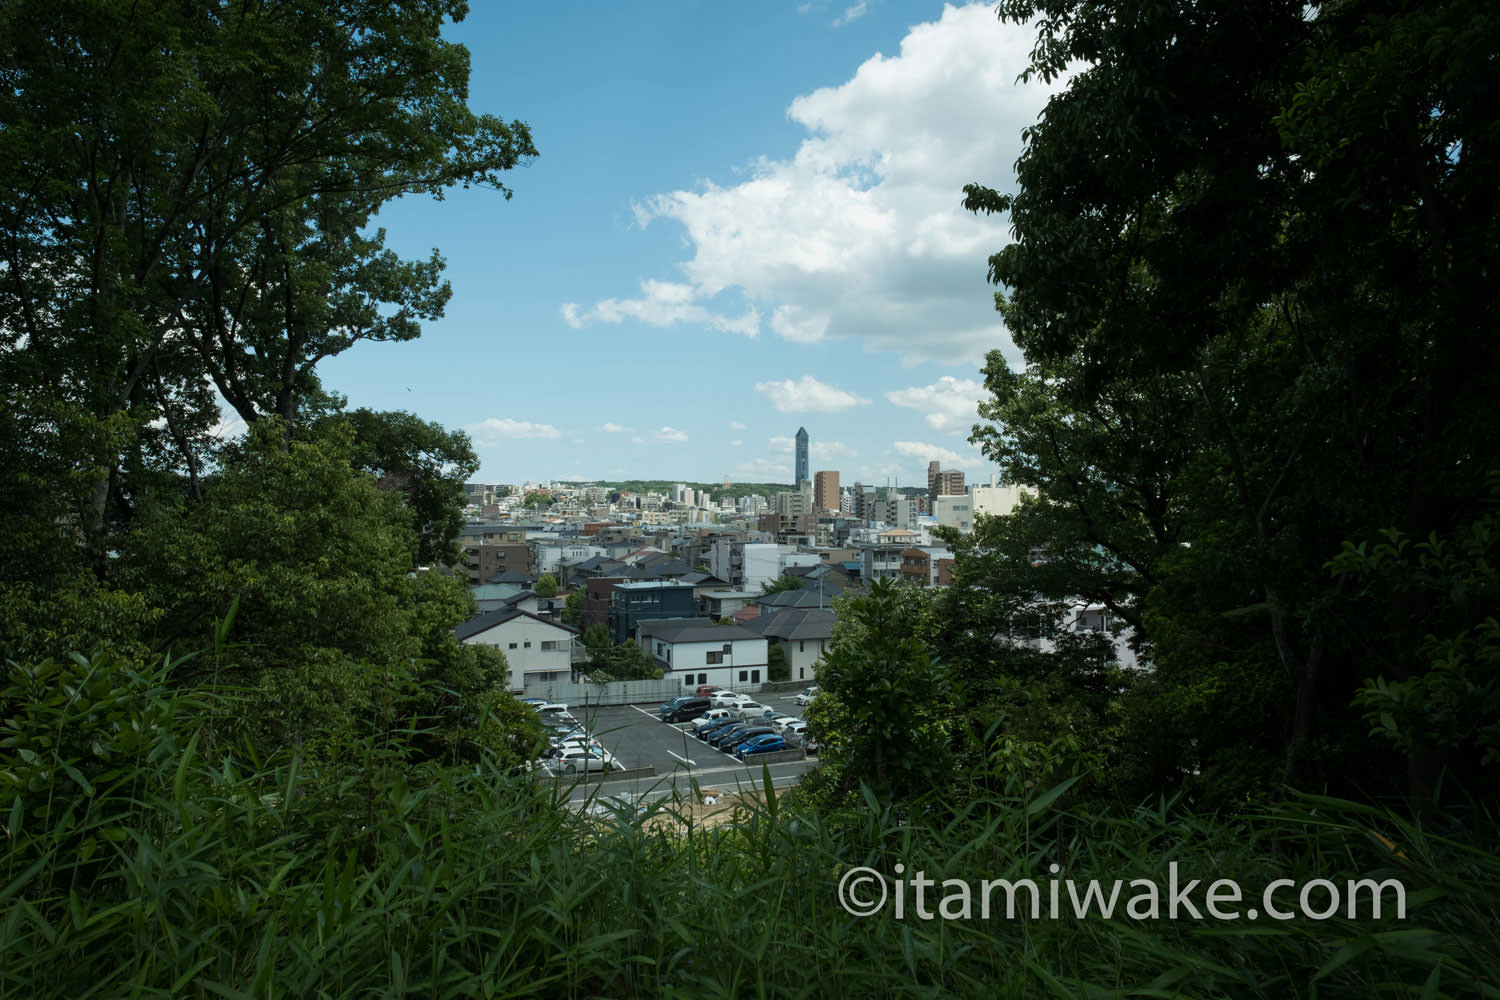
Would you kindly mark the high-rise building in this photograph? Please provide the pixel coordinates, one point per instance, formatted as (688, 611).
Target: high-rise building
(942, 484)
(825, 491)
(802, 476)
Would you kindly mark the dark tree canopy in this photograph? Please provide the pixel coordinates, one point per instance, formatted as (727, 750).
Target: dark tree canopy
(1253, 281)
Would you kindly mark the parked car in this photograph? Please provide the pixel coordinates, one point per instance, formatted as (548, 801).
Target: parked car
(734, 738)
(717, 726)
(807, 695)
(792, 731)
(765, 743)
(727, 736)
(729, 699)
(585, 759)
(543, 707)
(778, 720)
(709, 690)
(752, 710)
(689, 706)
(712, 715)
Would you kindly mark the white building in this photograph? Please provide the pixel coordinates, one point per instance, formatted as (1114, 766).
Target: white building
(693, 652)
(539, 652)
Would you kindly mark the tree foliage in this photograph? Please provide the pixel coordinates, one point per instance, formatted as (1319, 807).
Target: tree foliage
(1251, 267)
(173, 225)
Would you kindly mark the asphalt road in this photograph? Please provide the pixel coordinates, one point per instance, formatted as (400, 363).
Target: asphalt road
(638, 737)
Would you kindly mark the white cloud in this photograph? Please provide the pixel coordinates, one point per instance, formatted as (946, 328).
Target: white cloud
(667, 435)
(851, 13)
(496, 429)
(663, 303)
(861, 234)
(808, 395)
(735, 425)
(736, 443)
(951, 404)
(616, 429)
(931, 453)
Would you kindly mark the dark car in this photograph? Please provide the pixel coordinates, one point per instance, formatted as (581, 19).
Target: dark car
(718, 726)
(730, 731)
(685, 708)
(734, 738)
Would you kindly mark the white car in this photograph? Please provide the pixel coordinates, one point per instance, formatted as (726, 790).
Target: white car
(712, 715)
(730, 699)
(794, 732)
(807, 695)
(584, 759)
(781, 722)
(751, 711)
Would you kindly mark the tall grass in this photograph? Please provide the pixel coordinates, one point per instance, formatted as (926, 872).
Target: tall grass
(154, 867)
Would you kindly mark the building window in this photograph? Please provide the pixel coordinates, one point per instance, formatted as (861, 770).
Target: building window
(512, 645)
(687, 681)
(528, 643)
(744, 676)
(702, 678)
(802, 673)
(715, 658)
(801, 645)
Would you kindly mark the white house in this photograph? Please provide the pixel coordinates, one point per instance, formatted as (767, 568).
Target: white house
(540, 652)
(692, 652)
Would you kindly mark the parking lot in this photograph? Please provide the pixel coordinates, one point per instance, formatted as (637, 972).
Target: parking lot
(636, 736)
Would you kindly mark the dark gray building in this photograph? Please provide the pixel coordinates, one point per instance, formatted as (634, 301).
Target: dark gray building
(802, 474)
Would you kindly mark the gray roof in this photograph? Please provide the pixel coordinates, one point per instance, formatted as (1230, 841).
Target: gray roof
(795, 623)
(693, 630)
(488, 620)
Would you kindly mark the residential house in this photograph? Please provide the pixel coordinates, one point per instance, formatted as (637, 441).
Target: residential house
(539, 652)
(802, 633)
(695, 652)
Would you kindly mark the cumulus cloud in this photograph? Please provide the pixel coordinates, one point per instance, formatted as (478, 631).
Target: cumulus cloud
(861, 233)
(735, 425)
(666, 435)
(663, 303)
(616, 429)
(931, 453)
(496, 429)
(950, 405)
(808, 395)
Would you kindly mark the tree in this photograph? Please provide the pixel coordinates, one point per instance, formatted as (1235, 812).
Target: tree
(884, 700)
(572, 612)
(172, 223)
(546, 586)
(426, 465)
(777, 669)
(331, 627)
(782, 583)
(1248, 251)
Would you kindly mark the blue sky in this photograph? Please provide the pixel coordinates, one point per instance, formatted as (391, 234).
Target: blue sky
(745, 218)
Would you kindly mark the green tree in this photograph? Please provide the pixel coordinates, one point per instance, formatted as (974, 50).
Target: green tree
(332, 626)
(1246, 263)
(782, 583)
(572, 612)
(546, 586)
(172, 223)
(426, 465)
(885, 700)
(777, 669)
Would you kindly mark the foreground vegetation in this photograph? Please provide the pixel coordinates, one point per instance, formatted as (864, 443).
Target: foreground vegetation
(162, 864)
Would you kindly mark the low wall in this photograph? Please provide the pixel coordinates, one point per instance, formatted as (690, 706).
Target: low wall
(775, 757)
(613, 774)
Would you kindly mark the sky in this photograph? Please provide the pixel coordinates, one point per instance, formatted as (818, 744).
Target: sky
(744, 219)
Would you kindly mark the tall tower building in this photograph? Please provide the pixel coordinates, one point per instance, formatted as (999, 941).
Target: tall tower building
(825, 491)
(802, 475)
(941, 483)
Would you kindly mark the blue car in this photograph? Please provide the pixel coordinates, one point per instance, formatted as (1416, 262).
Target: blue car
(764, 743)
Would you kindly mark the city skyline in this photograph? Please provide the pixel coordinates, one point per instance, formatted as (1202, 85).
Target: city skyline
(757, 227)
